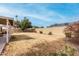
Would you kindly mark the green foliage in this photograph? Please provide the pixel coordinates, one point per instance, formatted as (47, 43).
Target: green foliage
(23, 24)
(70, 51)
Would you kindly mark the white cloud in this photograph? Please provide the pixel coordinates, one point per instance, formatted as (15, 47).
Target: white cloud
(42, 13)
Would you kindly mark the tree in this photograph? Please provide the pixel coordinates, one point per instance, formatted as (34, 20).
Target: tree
(25, 23)
(17, 22)
(16, 17)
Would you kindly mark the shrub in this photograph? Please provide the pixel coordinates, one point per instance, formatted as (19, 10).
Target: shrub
(23, 24)
(50, 33)
(68, 51)
(41, 32)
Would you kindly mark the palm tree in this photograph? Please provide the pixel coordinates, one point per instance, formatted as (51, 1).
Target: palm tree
(17, 22)
(16, 17)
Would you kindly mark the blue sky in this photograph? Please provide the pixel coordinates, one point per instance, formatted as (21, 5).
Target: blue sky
(42, 14)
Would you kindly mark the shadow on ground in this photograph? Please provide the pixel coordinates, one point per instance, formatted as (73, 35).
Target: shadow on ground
(19, 37)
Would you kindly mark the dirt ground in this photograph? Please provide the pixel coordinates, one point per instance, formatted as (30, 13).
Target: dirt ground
(34, 43)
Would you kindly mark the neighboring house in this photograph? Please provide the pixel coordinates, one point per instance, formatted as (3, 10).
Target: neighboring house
(6, 24)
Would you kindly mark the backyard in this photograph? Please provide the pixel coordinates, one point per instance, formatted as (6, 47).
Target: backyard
(25, 43)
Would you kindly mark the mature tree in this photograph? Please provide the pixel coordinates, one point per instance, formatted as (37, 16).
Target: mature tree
(25, 23)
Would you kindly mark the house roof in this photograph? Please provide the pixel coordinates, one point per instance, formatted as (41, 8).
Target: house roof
(4, 17)
(3, 20)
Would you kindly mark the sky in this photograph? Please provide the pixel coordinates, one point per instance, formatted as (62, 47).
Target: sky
(42, 14)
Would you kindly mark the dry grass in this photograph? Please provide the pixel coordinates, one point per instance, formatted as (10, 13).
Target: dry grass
(35, 43)
(42, 49)
(54, 30)
(33, 47)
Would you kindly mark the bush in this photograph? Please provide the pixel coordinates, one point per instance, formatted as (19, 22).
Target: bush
(50, 33)
(24, 24)
(40, 32)
(68, 51)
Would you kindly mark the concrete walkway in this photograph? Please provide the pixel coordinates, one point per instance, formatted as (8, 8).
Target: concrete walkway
(2, 43)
